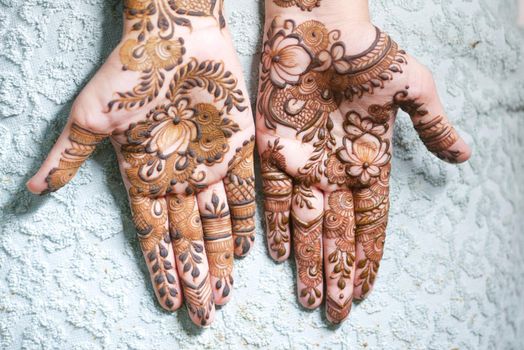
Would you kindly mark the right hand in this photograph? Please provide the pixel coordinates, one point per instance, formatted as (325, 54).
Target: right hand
(325, 119)
(171, 98)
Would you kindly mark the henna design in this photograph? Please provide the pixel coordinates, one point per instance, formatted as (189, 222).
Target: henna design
(307, 245)
(305, 5)
(150, 218)
(186, 234)
(199, 299)
(240, 191)
(339, 225)
(163, 273)
(438, 136)
(200, 8)
(435, 132)
(277, 187)
(369, 70)
(305, 76)
(365, 150)
(218, 238)
(83, 144)
(165, 149)
(155, 50)
(372, 209)
(338, 310)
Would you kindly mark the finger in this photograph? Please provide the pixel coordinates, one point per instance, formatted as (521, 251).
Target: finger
(339, 254)
(216, 223)
(150, 219)
(307, 215)
(185, 229)
(422, 103)
(371, 216)
(71, 150)
(277, 189)
(240, 191)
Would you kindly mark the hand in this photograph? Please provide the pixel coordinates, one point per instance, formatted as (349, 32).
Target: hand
(330, 88)
(172, 100)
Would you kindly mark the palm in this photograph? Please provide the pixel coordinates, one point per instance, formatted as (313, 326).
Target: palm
(175, 108)
(325, 124)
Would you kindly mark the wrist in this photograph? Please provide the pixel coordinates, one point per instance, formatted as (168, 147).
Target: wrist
(325, 10)
(170, 18)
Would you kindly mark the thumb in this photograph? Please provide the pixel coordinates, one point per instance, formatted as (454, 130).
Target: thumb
(71, 150)
(421, 101)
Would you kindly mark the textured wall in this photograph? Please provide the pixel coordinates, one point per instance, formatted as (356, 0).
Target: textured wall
(72, 276)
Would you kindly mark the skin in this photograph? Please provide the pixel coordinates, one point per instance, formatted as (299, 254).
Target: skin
(171, 98)
(330, 88)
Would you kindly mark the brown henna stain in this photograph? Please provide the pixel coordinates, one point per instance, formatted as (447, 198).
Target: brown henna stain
(156, 50)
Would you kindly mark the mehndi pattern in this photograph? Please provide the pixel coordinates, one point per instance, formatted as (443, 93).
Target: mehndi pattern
(156, 49)
(305, 5)
(306, 74)
(240, 191)
(83, 144)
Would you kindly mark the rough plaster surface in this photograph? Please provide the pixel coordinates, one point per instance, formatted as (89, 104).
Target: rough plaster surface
(72, 276)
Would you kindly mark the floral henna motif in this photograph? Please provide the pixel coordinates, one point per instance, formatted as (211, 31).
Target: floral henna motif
(150, 221)
(339, 225)
(186, 233)
(365, 150)
(278, 187)
(372, 209)
(165, 149)
(201, 8)
(83, 144)
(163, 273)
(216, 222)
(305, 5)
(240, 191)
(307, 246)
(306, 74)
(156, 50)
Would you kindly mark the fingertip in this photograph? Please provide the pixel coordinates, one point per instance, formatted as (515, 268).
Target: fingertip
(466, 154)
(36, 187)
(337, 314)
(223, 301)
(171, 304)
(359, 294)
(222, 289)
(203, 320)
(310, 303)
(243, 245)
(280, 256)
(459, 153)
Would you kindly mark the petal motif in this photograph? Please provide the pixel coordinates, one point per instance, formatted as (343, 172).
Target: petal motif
(366, 148)
(355, 170)
(169, 138)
